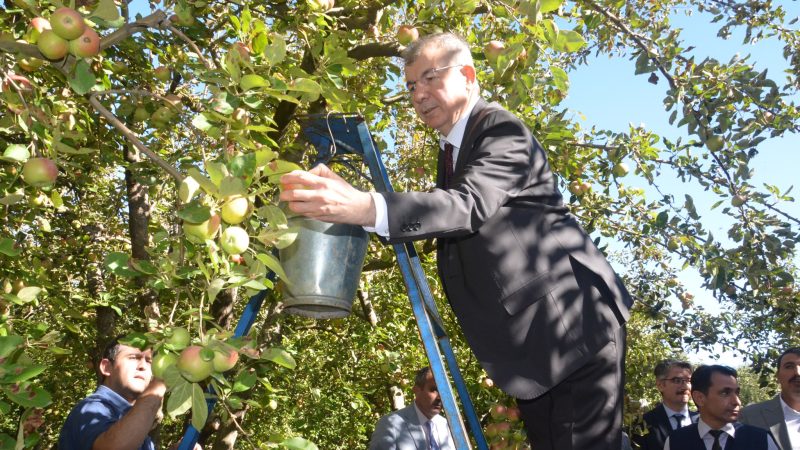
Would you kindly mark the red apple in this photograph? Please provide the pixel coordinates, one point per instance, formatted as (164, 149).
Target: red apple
(87, 45)
(67, 23)
(205, 230)
(39, 172)
(493, 49)
(498, 411)
(195, 363)
(162, 73)
(513, 414)
(407, 34)
(225, 359)
(40, 24)
(52, 46)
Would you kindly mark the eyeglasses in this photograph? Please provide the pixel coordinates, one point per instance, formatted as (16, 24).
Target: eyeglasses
(428, 77)
(678, 380)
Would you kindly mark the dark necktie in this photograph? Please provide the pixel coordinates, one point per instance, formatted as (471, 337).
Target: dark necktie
(448, 164)
(716, 434)
(678, 420)
(432, 445)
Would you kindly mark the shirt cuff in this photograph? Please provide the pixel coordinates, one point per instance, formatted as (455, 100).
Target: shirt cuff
(381, 219)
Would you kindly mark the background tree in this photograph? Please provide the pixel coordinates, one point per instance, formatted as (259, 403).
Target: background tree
(192, 105)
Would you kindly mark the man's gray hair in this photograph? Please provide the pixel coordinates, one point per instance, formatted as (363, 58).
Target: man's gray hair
(663, 367)
(454, 48)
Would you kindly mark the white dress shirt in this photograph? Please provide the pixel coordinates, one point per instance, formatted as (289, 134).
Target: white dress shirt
(455, 137)
(792, 419)
(439, 426)
(687, 420)
(729, 431)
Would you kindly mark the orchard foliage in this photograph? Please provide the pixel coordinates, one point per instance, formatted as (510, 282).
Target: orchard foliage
(138, 186)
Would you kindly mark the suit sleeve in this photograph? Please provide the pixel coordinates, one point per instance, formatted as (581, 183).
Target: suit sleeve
(497, 168)
(385, 435)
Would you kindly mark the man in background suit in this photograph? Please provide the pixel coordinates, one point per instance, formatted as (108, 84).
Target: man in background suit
(673, 382)
(781, 415)
(418, 426)
(715, 391)
(539, 304)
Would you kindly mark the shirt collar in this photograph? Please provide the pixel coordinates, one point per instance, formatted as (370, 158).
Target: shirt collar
(670, 412)
(119, 401)
(703, 428)
(456, 134)
(788, 411)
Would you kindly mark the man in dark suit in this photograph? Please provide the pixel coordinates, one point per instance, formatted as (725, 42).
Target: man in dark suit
(418, 426)
(715, 391)
(781, 415)
(673, 382)
(539, 304)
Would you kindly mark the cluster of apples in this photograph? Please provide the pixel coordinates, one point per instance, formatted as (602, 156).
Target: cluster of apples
(234, 239)
(506, 430)
(65, 32)
(194, 362)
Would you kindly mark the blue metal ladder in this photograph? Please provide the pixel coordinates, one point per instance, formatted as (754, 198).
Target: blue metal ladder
(338, 134)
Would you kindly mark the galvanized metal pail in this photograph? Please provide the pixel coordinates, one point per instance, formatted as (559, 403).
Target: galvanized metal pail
(322, 268)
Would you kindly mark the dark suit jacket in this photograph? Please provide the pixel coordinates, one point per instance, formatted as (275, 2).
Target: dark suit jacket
(769, 416)
(534, 296)
(659, 426)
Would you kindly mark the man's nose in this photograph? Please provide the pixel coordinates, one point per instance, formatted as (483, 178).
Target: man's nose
(736, 400)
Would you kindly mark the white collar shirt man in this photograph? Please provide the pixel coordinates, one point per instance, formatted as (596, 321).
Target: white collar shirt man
(455, 137)
(685, 420)
(727, 431)
(792, 419)
(439, 427)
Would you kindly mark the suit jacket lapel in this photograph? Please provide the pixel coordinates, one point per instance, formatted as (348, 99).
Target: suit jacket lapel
(663, 423)
(414, 427)
(773, 414)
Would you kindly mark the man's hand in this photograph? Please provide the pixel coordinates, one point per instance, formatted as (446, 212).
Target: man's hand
(321, 194)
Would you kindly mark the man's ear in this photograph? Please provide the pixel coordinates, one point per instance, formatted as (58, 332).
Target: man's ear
(105, 367)
(699, 398)
(469, 72)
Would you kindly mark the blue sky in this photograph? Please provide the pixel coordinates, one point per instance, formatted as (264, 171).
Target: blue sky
(608, 94)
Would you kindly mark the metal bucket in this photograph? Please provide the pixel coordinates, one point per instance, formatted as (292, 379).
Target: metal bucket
(322, 267)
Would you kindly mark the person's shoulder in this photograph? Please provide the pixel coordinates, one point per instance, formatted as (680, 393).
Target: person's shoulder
(652, 415)
(743, 427)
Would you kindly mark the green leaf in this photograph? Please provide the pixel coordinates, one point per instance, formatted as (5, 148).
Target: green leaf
(188, 188)
(569, 41)
(11, 199)
(217, 171)
(173, 377)
(279, 238)
(180, 400)
(28, 396)
(311, 89)
(275, 52)
(280, 357)
(252, 81)
(546, 6)
(16, 153)
(144, 266)
(560, 78)
(272, 264)
(106, 10)
(19, 372)
(214, 287)
(9, 343)
(9, 247)
(29, 294)
(199, 407)
(117, 263)
(273, 215)
(298, 443)
(82, 80)
(194, 212)
(232, 186)
(201, 122)
(208, 185)
(243, 165)
(244, 381)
